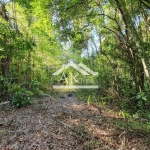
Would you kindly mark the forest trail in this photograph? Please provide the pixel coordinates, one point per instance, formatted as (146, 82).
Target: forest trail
(65, 123)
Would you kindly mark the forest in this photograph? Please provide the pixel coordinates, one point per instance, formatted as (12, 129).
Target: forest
(75, 74)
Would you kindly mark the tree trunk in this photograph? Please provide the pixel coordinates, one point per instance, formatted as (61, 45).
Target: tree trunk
(5, 64)
(139, 66)
(146, 71)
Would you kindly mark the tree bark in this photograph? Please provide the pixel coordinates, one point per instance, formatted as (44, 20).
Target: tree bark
(5, 64)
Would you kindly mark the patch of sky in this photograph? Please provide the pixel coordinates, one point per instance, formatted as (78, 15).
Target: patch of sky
(4, 1)
(137, 20)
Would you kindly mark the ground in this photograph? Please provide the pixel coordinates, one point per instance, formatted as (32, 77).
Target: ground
(65, 123)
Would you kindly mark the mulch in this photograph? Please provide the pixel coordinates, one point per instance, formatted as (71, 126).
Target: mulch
(65, 123)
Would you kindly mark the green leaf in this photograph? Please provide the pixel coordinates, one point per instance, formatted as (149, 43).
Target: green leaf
(138, 96)
(144, 98)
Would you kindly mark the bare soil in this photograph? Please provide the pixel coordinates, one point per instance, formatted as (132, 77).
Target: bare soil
(65, 123)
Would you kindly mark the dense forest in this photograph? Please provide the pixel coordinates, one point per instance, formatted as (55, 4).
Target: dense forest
(111, 37)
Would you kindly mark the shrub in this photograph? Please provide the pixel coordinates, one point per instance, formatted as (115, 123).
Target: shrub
(20, 96)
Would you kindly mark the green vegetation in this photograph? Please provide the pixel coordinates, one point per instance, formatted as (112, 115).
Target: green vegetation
(110, 37)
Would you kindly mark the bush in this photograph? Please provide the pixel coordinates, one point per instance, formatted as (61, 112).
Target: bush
(3, 88)
(20, 96)
(33, 86)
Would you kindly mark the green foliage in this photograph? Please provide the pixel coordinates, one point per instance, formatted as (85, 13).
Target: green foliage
(27, 38)
(111, 36)
(87, 95)
(34, 86)
(4, 83)
(144, 114)
(141, 99)
(20, 96)
(134, 124)
(89, 99)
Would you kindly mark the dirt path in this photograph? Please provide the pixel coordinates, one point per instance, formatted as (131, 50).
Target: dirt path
(65, 124)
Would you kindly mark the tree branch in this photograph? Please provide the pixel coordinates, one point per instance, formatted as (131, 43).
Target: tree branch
(114, 19)
(124, 19)
(80, 3)
(145, 4)
(113, 32)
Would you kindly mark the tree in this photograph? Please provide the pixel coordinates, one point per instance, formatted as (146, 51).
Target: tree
(122, 24)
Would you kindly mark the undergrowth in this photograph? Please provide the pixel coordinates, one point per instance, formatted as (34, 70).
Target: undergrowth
(135, 109)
